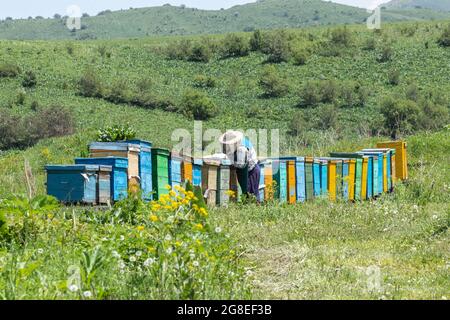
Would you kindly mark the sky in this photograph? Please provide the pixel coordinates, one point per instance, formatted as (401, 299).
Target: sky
(47, 8)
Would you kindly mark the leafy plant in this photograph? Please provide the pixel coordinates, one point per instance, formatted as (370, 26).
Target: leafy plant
(9, 70)
(234, 46)
(444, 39)
(29, 79)
(116, 133)
(197, 105)
(272, 83)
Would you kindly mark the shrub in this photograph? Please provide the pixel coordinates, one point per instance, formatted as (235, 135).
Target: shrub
(90, 85)
(444, 39)
(29, 79)
(298, 124)
(300, 56)
(394, 77)
(151, 101)
(11, 133)
(434, 116)
(272, 84)
(370, 44)
(256, 41)
(179, 50)
(386, 54)
(200, 53)
(329, 91)
(341, 36)
(197, 105)
(9, 70)
(310, 95)
(116, 133)
(234, 46)
(54, 121)
(412, 92)
(21, 97)
(276, 45)
(144, 85)
(119, 92)
(327, 117)
(401, 116)
(202, 81)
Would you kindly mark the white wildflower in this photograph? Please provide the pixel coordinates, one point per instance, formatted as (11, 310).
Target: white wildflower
(435, 217)
(168, 237)
(218, 230)
(138, 253)
(169, 250)
(132, 258)
(122, 238)
(195, 263)
(40, 251)
(73, 288)
(149, 262)
(87, 294)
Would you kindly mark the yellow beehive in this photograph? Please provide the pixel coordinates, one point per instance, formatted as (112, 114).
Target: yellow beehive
(365, 168)
(186, 169)
(268, 181)
(385, 173)
(401, 158)
(332, 180)
(292, 197)
(351, 179)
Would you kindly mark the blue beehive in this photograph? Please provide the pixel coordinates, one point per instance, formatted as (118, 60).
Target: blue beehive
(262, 182)
(345, 179)
(317, 178)
(76, 183)
(197, 172)
(119, 176)
(280, 176)
(175, 169)
(145, 168)
(324, 177)
(301, 183)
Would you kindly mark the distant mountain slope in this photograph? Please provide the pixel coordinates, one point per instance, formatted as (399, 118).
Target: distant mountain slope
(170, 20)
(440, 5)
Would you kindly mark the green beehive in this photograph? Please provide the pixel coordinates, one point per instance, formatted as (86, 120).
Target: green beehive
(160, 171)
(309, 178)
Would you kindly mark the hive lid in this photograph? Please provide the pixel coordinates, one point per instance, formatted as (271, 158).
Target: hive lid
(382, 150)
(198, 162)
(345, 155)
(76, 167)
(117, 162)
(115, 146)
(161, 151)
(142, 143)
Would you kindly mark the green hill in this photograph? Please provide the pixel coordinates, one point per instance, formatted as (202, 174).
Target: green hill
(438, 5)
(170, 20)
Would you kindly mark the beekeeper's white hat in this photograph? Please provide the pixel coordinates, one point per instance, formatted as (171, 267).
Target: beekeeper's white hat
(231, 137)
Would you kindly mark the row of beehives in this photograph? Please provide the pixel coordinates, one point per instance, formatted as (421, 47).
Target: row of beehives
(114, 169)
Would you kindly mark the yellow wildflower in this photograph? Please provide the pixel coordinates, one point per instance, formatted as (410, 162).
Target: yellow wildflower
(156, 207)
(154, 218)
(140, 228)
(151, 249)
(172, 193)
(178, 188)
(178, 244)
(199, 226)
(175, 205)
(168, 187)
(203, 212)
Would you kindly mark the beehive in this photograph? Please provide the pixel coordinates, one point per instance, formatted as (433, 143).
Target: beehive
(351, 179)
(393, 168)
(280, 177)
(317, 178)
(175, 165)
(210, 175)
(301, 179)
(309, 178)
(345, 179)
(291, 179)
(118, 177)
(123, 150)
(262, 177)
(339, 178)
(387, 176)
(364, 178)
(187, 169)
(332, 174)
(324, 177)
(79, 183)
(197, 172)
(268, 180)
(160, 171)
(401, 158)
(377, 167)
(224, 185)
(145, 168)
(358, 169)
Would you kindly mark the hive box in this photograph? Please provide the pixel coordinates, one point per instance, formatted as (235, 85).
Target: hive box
(378, 159)
(280, 177)
(160, 171)
(358, 169)
(309, 178)
(88, 184)
(175, 165)
(324, 177)
(118, 177)
(387, 161)
(291, 179)
(145, 168)
(301, 179)
(197, 172)
(187, 169)
(401, 158)
(123, 150)
(223, 181)
(210, 175)
(267, 175)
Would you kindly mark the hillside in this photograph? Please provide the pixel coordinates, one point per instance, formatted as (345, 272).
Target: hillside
(170, 20)
(438, 5)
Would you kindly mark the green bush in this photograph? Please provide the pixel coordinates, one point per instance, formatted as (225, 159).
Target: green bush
(394, 77)
(21, 97)
(401, 116)
(386, 54)
(272, 84)
(200, 53)
(234, 46)
(202, 81)
(434, 116)
(327, 117)
(310, 94)
(9, 70)
(29, 79)
(256, 41)
(341, 36)
(277, 47)
(119, 92)
(116, 133)
(179, 50)
(197, 105)
(370, 44)
(412, 92)
(329, 91)
(90, 85)
(444, 39)
(298, 124)
(300, 56)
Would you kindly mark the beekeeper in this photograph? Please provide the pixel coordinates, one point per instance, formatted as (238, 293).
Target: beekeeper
(242, 154)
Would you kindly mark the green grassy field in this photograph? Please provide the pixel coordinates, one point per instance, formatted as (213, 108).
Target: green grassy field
(393, 248)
